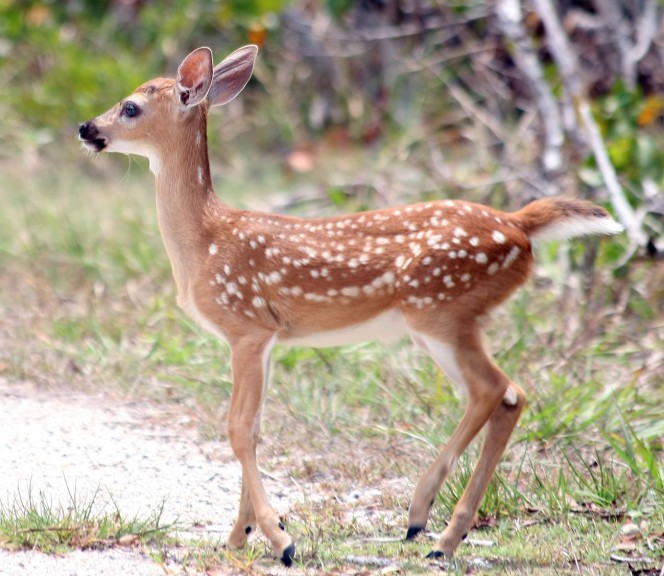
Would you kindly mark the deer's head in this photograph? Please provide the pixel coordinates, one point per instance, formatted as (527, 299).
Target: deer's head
(163, 109)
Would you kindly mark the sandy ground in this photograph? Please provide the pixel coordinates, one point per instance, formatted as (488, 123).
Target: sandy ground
(133, 455)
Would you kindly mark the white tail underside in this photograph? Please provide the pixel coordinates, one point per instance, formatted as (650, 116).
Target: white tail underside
(575, 227)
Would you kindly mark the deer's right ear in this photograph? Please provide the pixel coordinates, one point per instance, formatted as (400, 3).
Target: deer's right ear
(194, 77)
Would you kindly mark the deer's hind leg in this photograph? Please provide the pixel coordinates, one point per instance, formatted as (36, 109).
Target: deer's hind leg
(492, 398)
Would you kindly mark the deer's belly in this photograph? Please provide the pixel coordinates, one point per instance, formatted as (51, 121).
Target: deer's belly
(387, 327)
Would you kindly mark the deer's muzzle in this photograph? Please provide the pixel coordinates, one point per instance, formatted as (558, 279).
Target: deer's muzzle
(88, 133)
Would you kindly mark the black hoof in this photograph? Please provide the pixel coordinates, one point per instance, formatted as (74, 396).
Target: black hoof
(436, 555)
(413, 531)
(288, 555)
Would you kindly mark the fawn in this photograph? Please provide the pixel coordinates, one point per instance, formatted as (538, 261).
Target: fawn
(431, 271)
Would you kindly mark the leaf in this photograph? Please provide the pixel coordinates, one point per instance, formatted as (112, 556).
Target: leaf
(337, 196)
(620, 151)
(651, 110)
(128, 540)
(590, 176)
(486, 522)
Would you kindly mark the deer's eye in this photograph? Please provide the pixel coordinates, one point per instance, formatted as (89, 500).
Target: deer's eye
(130, 110)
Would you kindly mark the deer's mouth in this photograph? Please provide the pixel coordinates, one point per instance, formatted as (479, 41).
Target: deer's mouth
(96, 145)
(88, 134)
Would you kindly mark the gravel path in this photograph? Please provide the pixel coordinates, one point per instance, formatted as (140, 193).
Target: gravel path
(135, 454)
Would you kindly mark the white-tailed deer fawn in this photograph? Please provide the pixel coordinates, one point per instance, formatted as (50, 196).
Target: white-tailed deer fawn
(431, 271)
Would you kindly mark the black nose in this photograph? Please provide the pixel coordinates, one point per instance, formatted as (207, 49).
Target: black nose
(88, 131)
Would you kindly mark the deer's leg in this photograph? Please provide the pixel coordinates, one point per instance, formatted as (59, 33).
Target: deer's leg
(246, 517)
(245, 523)
(498, 432)
(491, 397)
(250, 358)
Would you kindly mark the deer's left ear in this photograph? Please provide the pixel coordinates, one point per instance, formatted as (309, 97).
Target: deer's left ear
(232, 75)
(194, 77)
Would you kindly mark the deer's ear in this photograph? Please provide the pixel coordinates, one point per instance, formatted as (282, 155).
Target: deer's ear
(194, 77)
(232, 75)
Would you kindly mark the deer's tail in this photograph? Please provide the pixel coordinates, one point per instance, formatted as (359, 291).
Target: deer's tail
(559, 218)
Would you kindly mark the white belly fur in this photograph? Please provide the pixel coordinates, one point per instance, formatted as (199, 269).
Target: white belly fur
(386, 327)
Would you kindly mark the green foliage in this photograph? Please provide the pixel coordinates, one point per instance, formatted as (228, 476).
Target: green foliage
(642, 456)
(630, 126)
(339, 7)
(63, 59)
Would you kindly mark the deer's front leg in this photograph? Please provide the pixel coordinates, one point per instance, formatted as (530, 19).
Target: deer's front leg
(250, 359)
(245, 523)
(246, 517)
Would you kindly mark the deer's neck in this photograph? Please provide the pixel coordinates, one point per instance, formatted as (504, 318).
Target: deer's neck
(184, 198)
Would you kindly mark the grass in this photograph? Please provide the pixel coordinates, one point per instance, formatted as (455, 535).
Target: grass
(86, 297)
(36, 523)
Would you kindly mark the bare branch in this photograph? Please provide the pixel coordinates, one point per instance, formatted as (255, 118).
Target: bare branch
(617, 27)
(510, 17)
(566, 60)
(646, 30)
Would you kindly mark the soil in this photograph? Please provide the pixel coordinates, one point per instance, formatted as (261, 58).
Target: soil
(131, 455)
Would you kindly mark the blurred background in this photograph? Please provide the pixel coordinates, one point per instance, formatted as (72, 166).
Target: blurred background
(354, 104)
(416, 97)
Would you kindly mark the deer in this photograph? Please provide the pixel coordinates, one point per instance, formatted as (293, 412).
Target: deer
(432, 271)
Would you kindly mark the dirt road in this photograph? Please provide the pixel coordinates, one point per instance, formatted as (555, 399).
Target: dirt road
(133, 455)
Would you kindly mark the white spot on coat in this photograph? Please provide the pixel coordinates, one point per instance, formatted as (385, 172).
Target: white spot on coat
(511, 256)
(233, 290)
(273, 278)
(498, 237)
(350, 291)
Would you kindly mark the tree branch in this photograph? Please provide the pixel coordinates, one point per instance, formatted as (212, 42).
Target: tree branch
(510, 18)
(566, 60)
(617, 27)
